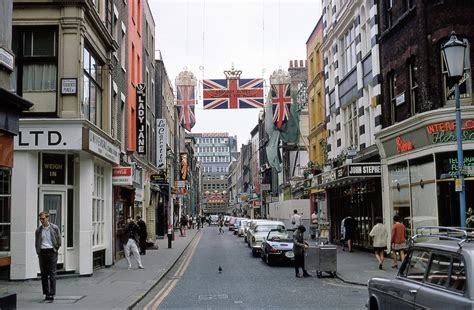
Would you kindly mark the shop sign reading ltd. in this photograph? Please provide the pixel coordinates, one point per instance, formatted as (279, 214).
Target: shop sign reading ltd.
(49, 137)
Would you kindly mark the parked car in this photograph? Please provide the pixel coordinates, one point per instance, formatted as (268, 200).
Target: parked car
(214, 218)
(277, 246)
(259, 232)
(436, 273)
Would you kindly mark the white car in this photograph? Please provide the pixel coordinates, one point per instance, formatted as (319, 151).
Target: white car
(259, 232)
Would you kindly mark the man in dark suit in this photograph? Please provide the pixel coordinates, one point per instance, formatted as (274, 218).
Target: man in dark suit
(142, 234)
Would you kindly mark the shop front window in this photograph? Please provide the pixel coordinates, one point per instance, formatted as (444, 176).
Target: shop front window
(5, 203)
(92, 89)
(400, 190)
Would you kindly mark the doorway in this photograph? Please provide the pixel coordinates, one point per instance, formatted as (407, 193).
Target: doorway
(53, 202)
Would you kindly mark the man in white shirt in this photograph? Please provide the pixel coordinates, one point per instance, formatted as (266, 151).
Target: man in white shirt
(295, 219)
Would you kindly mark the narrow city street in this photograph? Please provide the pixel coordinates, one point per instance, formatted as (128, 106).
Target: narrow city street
(244, 283)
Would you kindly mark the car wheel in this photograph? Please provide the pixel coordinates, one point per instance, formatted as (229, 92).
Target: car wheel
(269, 261)
(254, 253)
(373, 304)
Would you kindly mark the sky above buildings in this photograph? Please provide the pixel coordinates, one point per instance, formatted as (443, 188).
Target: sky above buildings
(208, 37)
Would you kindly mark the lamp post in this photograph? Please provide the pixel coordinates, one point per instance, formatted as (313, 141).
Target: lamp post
(454, 52)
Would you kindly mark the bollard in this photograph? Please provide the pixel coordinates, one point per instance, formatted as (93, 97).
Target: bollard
(170, 237)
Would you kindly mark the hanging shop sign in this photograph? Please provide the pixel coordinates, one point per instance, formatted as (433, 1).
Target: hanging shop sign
(184, 166)
(161, 139)
(141, 119)
(122, 176)
(159, 178)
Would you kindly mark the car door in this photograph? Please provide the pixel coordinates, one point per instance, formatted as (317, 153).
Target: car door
(445, 284)
(403, 290)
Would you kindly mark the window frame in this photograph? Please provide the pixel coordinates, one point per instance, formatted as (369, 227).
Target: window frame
(95, 81)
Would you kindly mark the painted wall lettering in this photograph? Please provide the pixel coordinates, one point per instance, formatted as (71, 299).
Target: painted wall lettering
(403, 146)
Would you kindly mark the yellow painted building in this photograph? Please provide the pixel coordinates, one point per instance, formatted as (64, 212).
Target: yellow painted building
(317, 132)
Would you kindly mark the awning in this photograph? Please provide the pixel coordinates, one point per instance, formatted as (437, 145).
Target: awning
(345, 175)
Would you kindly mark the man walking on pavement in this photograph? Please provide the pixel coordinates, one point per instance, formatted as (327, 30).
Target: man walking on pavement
(295, 219)
(47, 242)
(143, 234)
(130, 237)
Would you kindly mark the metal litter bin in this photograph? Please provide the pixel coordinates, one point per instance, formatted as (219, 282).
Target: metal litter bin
(321, 258)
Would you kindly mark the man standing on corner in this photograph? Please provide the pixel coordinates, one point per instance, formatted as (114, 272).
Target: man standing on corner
(299, 246)
(47, 242)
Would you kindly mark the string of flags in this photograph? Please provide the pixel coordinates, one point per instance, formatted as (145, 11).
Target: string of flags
(233, 92)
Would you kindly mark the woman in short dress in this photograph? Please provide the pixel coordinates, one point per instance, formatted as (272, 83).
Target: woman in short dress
(379, 235)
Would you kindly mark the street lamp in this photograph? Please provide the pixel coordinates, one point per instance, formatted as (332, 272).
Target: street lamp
(453, 52)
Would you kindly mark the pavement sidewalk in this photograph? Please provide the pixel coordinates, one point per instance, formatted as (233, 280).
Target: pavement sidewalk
(118, 287)
(115, 286)
(359, 266)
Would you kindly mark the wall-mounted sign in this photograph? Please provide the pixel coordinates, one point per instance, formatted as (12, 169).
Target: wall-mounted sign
(400, 99)
(122, 176)
(446, 131)
(7, 59)
(364, 170)
(161, 138)
(53, 168)
(68, 86)
(266, 187)
(96, 144)
(141, 119)
(403, 146)
(49, 136)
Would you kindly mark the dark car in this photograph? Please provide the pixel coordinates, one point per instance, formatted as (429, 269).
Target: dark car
(277, 246)
(437, 273)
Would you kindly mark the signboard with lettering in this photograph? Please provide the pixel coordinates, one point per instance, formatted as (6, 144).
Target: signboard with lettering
(160, 178)
(68, 86)
(431, 134)
(122, 176)
(49, 136)
(141, 119)
(364, 170)
(98, 145)
(7, 60)
(53, 168)
(350, 170)
(161, 138)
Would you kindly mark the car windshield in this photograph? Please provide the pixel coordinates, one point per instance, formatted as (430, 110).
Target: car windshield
(280, 234)
(266, 228)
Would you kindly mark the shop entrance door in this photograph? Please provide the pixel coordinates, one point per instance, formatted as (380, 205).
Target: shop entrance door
(53, 202)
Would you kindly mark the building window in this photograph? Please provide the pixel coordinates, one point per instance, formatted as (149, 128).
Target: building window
(413, 85)
(348, 51)
(465, 82)
(351, 126)
(391, 96)
(123, 51)
(388, 14)
(5, 208)
(92, 92)
(98, 198)
(36, 66)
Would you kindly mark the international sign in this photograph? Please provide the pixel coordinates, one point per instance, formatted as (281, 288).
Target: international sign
(161, 138)
(141, 119)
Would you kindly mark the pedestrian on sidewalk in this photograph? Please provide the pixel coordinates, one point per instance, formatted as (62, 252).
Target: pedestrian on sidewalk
(295, 219)
(398, 240)
(349, 231)
(299, 246)
(203, 219)
(183, 223)
(221, 225)
(47, 243)
(379, 235)
(130, 242)
(142, 234)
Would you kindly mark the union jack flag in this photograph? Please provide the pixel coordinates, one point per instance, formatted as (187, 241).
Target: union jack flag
(233, 94)
(185, 104)
(281, 100)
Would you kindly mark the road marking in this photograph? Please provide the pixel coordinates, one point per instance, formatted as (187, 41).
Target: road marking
(173, 280)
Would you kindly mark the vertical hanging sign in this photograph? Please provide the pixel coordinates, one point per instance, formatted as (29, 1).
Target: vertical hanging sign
(161, 139)
(141, 119)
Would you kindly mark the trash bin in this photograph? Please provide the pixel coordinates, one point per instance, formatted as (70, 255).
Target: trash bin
(321, 258)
